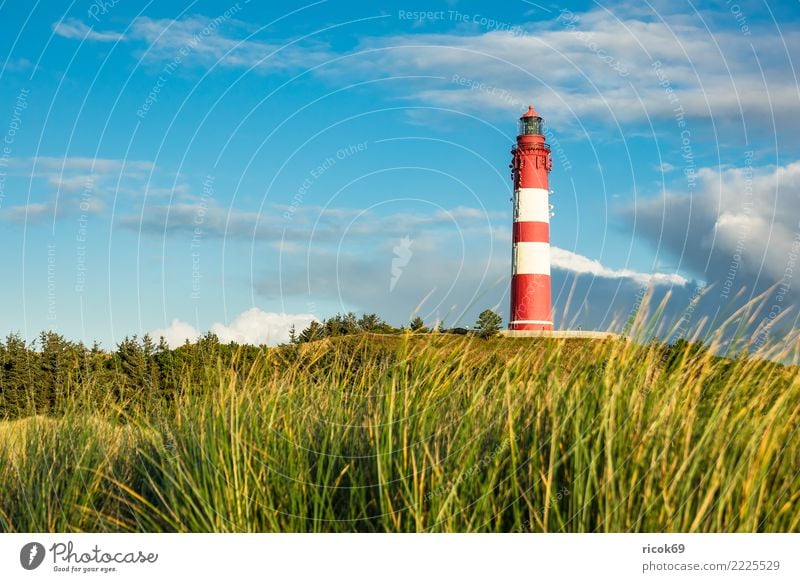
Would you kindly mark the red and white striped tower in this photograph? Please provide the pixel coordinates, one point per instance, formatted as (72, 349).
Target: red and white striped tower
(530, 266)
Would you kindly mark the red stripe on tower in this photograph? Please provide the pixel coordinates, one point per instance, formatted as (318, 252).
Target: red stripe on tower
(530, 272)
(531, 232)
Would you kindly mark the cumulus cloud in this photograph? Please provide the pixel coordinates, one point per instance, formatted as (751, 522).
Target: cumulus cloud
(252, 327)
(580, 265)
(737, 228)
(258, 327)
(176, 333)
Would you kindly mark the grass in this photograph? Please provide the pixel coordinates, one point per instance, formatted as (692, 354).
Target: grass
(427, 433)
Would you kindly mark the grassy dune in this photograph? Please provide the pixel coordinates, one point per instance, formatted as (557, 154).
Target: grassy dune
(427, 433)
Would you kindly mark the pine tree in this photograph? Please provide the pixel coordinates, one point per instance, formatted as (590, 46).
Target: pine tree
(418, 325)
(20, 367)
(313, 332)
(488, 324)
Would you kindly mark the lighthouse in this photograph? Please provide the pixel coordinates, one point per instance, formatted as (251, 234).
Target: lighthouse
(530, 264)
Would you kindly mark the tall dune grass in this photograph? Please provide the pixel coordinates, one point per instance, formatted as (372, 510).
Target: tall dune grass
(428, 433)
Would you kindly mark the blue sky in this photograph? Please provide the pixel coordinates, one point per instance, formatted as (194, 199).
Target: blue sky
(241, 167)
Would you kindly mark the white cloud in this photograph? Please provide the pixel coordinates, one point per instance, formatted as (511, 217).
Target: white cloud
(32, 212)
(257, 327)
(580, 265)
(177, 333)
(74, 183)
(252, 327)
(74, 28)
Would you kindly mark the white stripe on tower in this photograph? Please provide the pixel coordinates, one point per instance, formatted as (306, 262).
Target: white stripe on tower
(532, 258)
(533, 205)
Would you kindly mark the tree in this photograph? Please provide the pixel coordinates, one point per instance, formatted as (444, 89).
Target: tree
(148, 346)
(20, 371)
(133, 368)
(341, 325)
(488, 324)
(370, 323)
(313, 332)
(163, 346)
(418, 325)
(59, 368)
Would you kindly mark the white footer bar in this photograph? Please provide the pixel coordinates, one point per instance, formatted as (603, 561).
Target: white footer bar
(401, 557)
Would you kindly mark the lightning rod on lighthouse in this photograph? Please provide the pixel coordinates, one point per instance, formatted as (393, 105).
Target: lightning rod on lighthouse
(530, 265)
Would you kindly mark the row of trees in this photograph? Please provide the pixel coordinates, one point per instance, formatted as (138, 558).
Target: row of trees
(487, 325)
(50, 373)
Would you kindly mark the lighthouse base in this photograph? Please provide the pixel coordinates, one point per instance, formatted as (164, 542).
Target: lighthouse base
(530, 326)
(560, 334)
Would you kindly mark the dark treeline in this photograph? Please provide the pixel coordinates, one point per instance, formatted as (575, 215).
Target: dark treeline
(52, 373)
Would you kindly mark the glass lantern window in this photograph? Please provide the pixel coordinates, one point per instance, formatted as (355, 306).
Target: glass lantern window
(531, 126)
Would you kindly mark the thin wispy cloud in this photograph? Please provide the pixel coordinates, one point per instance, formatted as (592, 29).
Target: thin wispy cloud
(626, 66)
(77, 29)
(312, 223)
(55, 188)
(600, 65)
(203, 41)
(77, 163)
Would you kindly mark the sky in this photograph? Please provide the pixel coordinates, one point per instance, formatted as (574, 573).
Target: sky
(242, 167)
